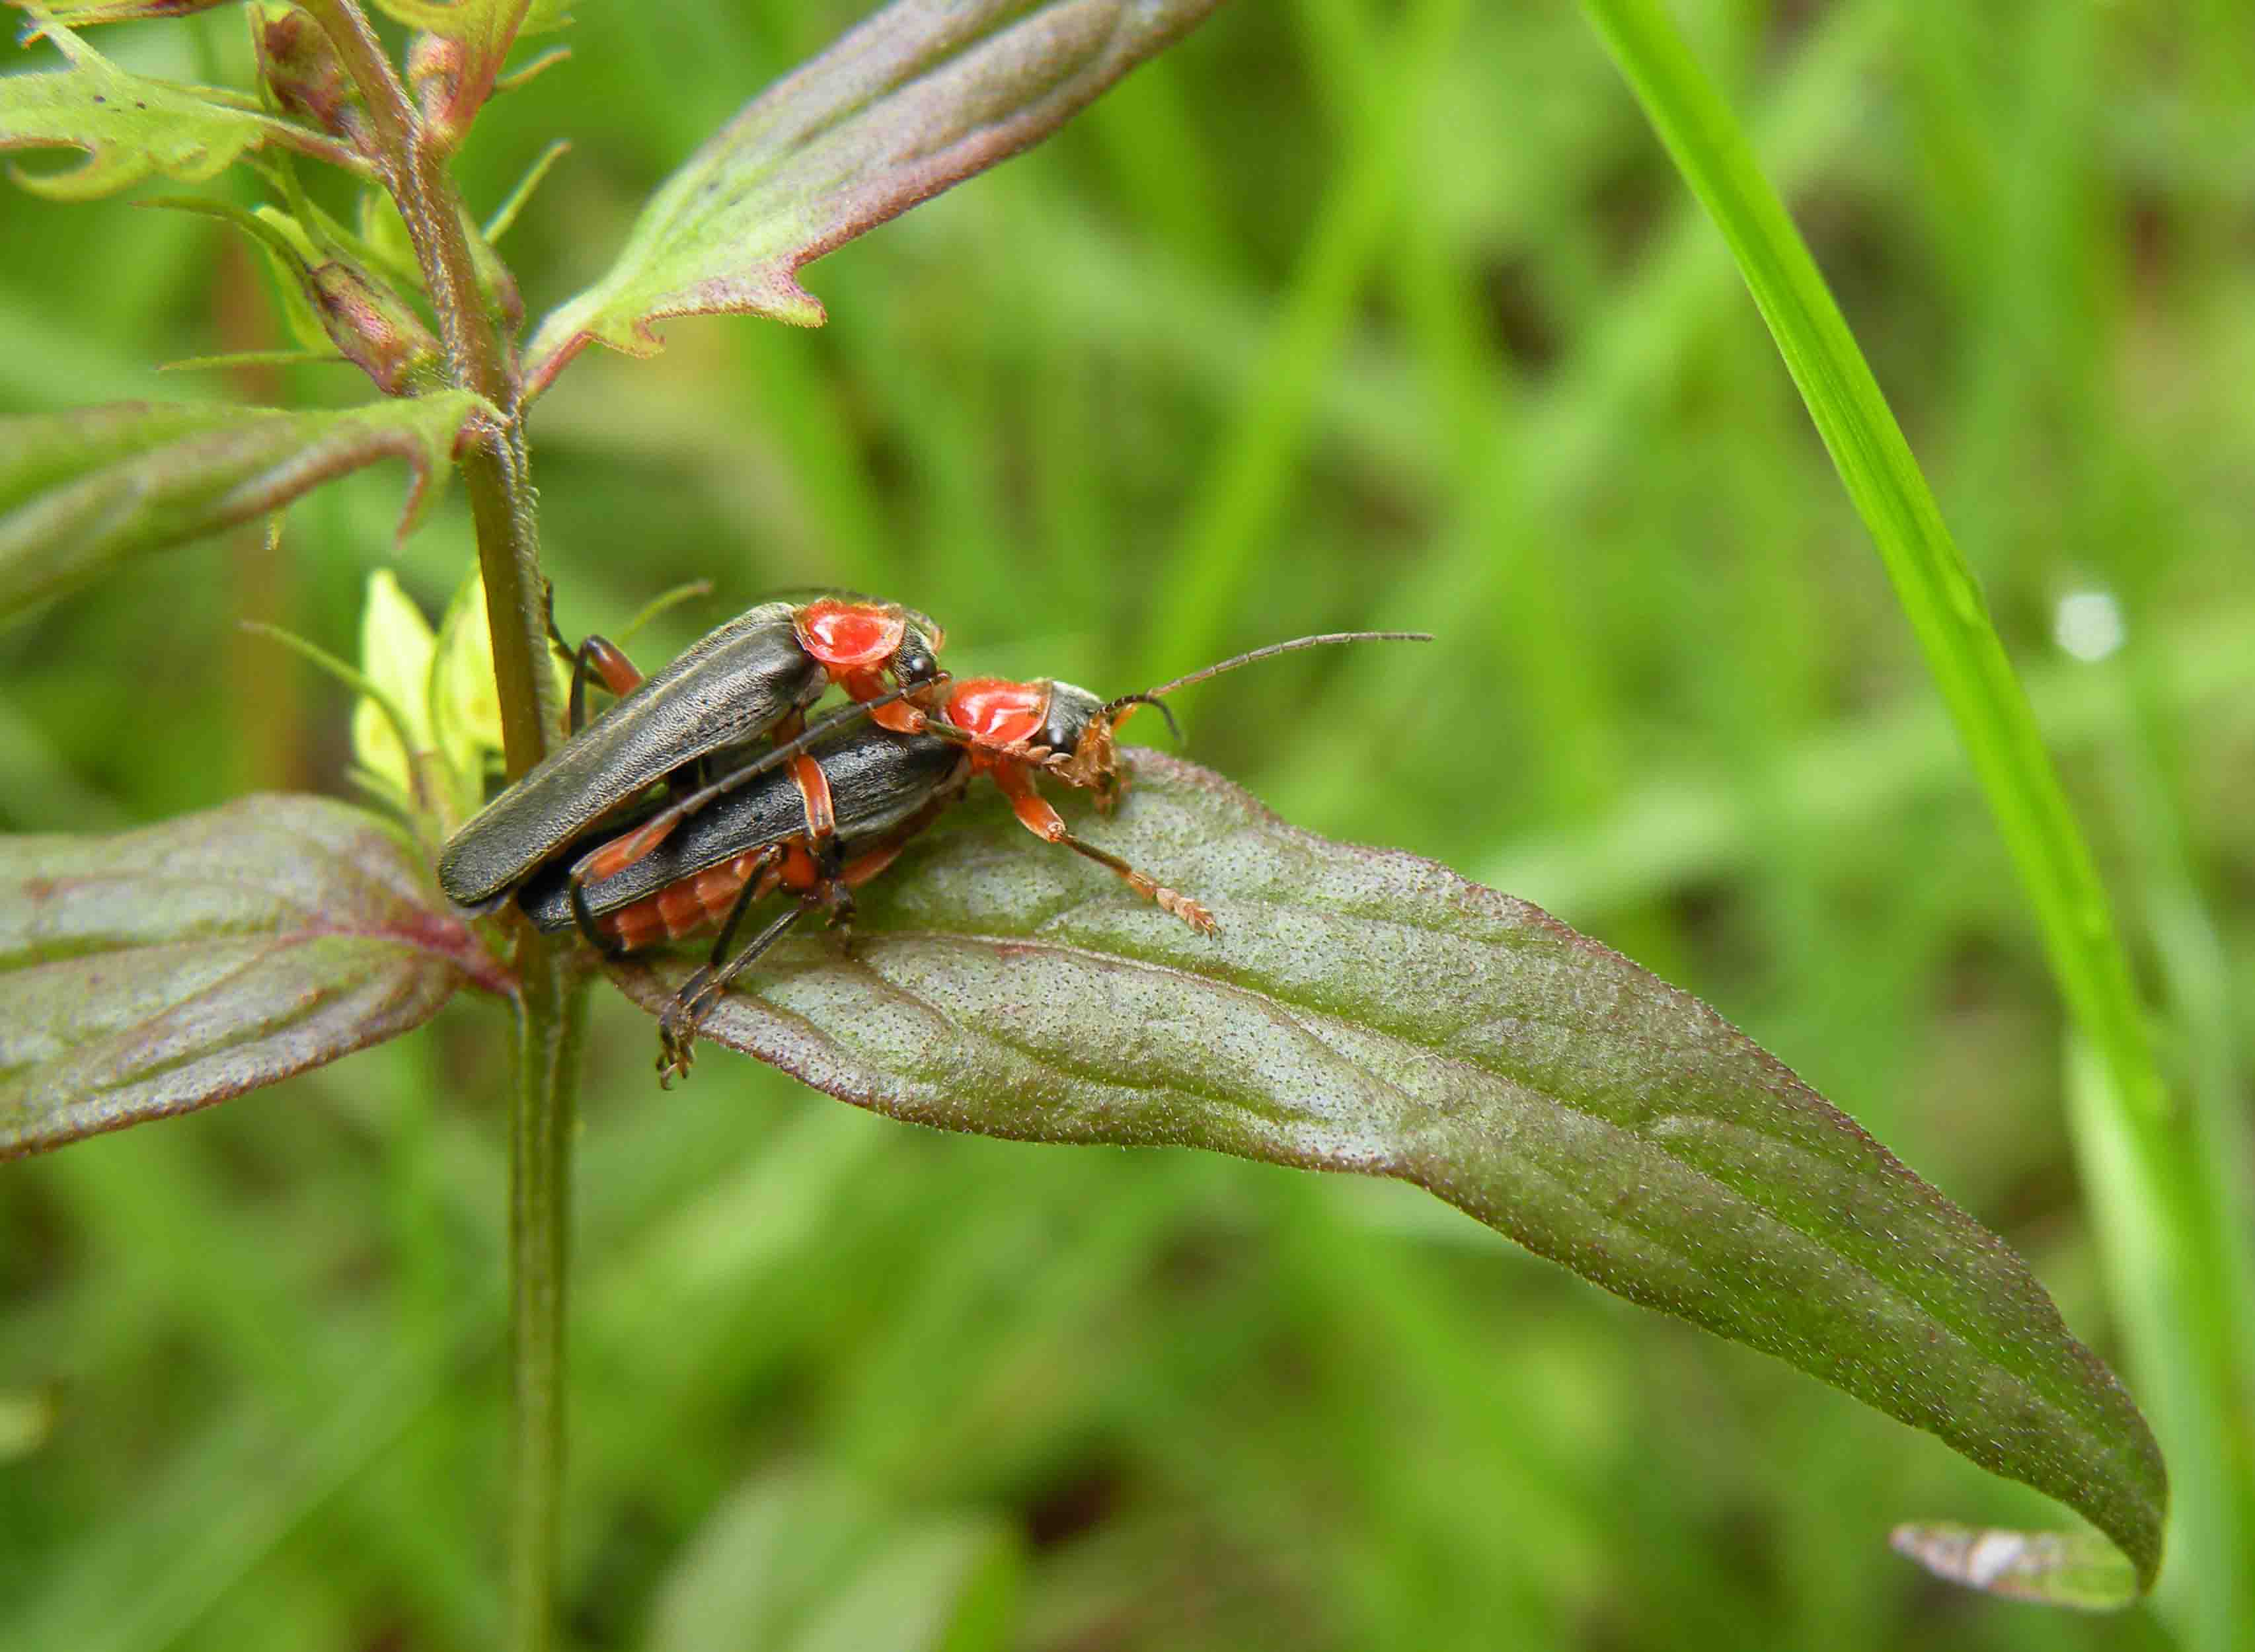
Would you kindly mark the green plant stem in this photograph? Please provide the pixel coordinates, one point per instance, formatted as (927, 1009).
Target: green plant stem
(2184, 1199)
(479, 358)
(551, 1005)
(551, 1020)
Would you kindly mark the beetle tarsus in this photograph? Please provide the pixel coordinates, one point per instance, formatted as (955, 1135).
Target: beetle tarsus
(680, 1023)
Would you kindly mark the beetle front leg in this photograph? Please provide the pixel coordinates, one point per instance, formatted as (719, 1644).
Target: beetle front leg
(596, 654)
(1036, 815)
(605, 660)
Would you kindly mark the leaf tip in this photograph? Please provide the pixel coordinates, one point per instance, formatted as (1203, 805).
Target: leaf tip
(2047, 1568)
(424, 458)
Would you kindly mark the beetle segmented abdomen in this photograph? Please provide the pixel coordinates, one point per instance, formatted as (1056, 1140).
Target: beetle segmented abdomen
(681, 909)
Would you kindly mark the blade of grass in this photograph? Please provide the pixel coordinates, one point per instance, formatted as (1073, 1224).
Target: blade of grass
(2180, 1212)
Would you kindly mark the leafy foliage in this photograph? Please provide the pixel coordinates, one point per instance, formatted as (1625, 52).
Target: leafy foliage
(1369, 1012)
(85, 12)
(168, 969)
(133, 125)
(81, 491)
(921, 96)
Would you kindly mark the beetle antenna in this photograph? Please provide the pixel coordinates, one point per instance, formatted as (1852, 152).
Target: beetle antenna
(1118, 710)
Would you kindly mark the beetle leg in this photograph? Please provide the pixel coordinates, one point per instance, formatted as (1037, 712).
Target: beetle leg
(1036, 815)
(605, 660)
(607, 860)
(624, 851)
(814, 792)
(888, 709)
(677, 1028)
(597, 654)
(584, 920)
(862, 867)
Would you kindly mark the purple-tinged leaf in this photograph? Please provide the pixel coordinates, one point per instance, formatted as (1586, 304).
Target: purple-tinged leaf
(918, 97)
(131, 125)
(80, 490)
(177, 966)
(1366, 1011)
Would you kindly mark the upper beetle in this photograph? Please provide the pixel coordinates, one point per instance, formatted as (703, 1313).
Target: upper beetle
(752, 679)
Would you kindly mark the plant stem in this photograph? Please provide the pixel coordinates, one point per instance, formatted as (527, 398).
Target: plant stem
(552, 1016)
(551, 1004)
(479, 358)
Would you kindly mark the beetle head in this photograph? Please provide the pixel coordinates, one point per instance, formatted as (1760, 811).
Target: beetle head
(1072, 734)
(916, 661)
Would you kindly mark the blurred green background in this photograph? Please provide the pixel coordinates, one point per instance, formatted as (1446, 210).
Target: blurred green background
(1342, 314)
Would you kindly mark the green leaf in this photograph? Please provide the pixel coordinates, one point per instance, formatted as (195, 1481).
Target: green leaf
(482, 22)
(395, 646)
(1366, 1011)
(131, 125)
(917, 98)
(171, 967)
(81, 490)
(2048, 1568)
(82, 13)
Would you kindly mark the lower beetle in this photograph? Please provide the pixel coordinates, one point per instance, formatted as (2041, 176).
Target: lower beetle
(742, 836)
(753, 841)
(749, 681)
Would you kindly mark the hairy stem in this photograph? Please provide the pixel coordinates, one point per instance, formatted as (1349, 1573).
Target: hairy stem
(481, 356)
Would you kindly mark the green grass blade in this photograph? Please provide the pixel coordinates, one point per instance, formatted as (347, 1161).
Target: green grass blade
(1970, 665)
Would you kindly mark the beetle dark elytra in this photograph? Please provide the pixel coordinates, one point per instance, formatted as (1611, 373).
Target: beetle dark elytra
(746, 682)
(880, 779)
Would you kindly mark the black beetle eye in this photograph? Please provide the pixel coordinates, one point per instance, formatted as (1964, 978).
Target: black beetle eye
(1071, 710)
(914, 663)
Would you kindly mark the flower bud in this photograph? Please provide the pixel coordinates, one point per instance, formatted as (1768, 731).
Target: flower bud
(297, 63)
(435, 69)
(373, 326)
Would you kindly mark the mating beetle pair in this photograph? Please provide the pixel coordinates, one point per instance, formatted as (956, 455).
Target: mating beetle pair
(582, 843)
(747, 683)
